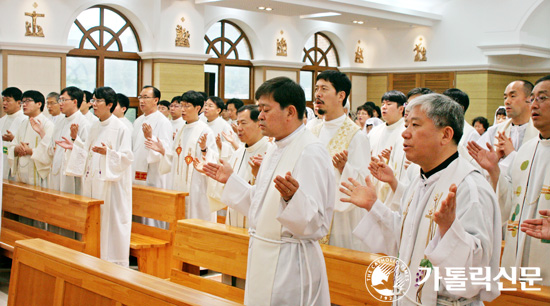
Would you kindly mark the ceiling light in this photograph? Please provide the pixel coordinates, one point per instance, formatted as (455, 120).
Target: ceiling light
(261, 8)
(264, 8)
(268, 9)
(358, 22)
(320, 15)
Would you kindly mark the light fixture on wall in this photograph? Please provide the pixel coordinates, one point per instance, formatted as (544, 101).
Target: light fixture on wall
(32, 28)
(265, 8)
(281, 46)
(359, 53)
(182, 36)
(358, 21)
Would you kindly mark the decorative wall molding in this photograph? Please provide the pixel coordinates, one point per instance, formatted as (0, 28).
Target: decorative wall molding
(515, 49)
(175, 56)
(35, 47)
(279, 64)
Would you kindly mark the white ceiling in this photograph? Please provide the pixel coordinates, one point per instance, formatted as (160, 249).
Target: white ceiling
(374, 13)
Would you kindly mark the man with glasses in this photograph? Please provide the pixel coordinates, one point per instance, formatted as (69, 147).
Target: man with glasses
(10, 123)
(524, 190)
(54, 110)
(23, 167)
(175, 112)
(49, 157)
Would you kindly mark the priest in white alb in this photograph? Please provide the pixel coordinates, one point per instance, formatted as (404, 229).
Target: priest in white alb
(350, 151)
(10, 123)
(524, 189)
(104, 162)
(290, 207)
(449, 215)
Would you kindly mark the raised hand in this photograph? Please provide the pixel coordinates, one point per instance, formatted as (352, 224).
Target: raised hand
(255, 162)
(234, 127)
(487, 159)
(8, 136)
(100, 149)
(202, 141)
(147, 131)
(339, 160)
(74, 130)
(37, 127)
(219, 172)
(504, 145)
(198, 165)
(65, 143)
(446, 215)
(231, 139)
(538, 228)
(363, 196)
(386, 153)
(219, 142)
(287, 186)
(382, 172)
(155, 145)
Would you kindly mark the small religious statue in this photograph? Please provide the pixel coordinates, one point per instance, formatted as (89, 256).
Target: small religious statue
(420, 51)
(33, 29)
(281, 47)
(359, 54)
(182, 37)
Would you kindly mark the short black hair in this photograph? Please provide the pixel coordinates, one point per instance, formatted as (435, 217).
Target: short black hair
(165, 103)
(366, 108)
(527, 87)
(156, 92)
(238, 103)
(176, 99)
(394, 96)
(123, 101)
(253, 109)
(418, 91)
(481, 120)
(285, 92)
(108, 94)
(544, 78)
(458, 96)
(36, 96)
(75, 93)
(87, 97)
(218, 101)
(193, 97)
(12, 92)
(339, 80)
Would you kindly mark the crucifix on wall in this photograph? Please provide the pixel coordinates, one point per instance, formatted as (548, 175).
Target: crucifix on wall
(33, 29)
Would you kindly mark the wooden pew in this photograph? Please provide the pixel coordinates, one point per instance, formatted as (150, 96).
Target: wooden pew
(45, 274)
(214, 246)
(150, 245)
(520, 297)
(69, 211)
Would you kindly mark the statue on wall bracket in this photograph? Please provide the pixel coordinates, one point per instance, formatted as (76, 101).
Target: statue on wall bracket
(182, 36)
(281, 46)
(32, 28)
(419, 52)
(359, 53)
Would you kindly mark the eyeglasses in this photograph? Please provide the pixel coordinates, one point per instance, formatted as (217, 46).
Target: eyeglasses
(144, 98)
(62, 100)
(175, 105)
(97, 100)
(539, 99)
(27, 101)
(187, 105)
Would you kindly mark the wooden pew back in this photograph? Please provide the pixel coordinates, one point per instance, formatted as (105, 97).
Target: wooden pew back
(225, 249)
(45, 274)
(69, 211)
(151, 245)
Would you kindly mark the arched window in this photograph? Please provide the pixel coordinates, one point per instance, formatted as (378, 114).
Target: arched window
(105, 52)
(230, 65)
(319, 54)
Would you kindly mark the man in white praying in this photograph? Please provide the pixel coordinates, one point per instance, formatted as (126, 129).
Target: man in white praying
(349, 148)
(449, 215)
(23, 167)
(10, 123)
(122, 105)
(290, 207)
(175, 113)
(525, 188)
(212, 110)
(104, 162)
(49, 157)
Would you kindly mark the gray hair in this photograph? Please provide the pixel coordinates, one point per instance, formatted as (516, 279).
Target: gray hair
(443, 111)
(54, 95)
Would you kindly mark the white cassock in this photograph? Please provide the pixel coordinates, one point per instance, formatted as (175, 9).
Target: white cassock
(128, 124)
(145, 168)
(176, 126)
(91, 117)
(519, 134)
(338, 135)
(403, 173)
(50, 158)
(473, 240)
(24, 168)
(109, 178)
(239, 163)
(219, 126)
(523, 192)
(9, 123)
(313, 122)
(184, 176)
(285, 262)
(383, 137)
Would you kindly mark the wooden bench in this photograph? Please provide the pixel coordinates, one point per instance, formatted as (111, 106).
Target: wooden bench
(521, 297)
(46, 274)
(152, 246)
(225, 249)
(65, 210)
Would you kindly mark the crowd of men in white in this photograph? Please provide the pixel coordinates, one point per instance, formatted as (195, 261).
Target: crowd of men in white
(422, 185)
